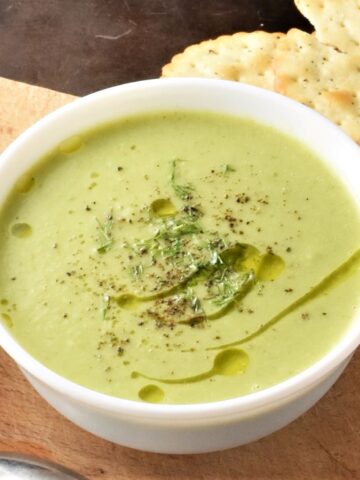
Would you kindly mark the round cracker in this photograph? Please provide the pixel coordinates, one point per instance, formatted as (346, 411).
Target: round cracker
(321, 77)
(336, 22)
(242, 57)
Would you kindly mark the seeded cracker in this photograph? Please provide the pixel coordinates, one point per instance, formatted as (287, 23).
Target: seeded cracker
(337, 22)
(320, 77)
(243, 57)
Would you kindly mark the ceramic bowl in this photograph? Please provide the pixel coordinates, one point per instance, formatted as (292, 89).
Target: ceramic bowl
(207, 426)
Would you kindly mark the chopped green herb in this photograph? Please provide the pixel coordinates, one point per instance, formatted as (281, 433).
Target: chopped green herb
(170, 231)
(193, 300)
(178, 228)
(230, 288)
(196, 304)
(171, 250)
(105, 234)
(228, 168)
(226, 292)
(182, 191)
(215, 258)
(137, 271)
(106, 305)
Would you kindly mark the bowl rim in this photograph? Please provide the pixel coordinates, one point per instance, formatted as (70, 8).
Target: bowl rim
(263, 399)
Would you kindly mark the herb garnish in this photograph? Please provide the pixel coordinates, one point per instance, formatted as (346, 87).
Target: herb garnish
(226, 292)
(105, 306)
(228, 168)
(230, 289)
(182, 191)
(177, 228)
(215, 257)
(137, 270)
(187, 267)
(193, 300)
(172, 249)
(166, 240)
(105, 233)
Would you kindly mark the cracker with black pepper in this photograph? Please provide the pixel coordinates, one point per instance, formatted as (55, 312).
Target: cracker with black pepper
(336, 22)
(321, 77)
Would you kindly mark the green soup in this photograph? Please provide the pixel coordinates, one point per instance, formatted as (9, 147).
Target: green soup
(179, 257)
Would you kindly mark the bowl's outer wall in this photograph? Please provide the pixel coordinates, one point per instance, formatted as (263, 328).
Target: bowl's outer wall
(184, 438)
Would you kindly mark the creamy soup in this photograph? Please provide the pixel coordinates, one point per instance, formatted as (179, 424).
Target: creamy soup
(179, 257)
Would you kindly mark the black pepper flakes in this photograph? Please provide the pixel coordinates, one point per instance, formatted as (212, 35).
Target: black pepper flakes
(242, 198)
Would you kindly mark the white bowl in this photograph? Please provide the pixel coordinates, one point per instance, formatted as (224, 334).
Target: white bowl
(208, 426)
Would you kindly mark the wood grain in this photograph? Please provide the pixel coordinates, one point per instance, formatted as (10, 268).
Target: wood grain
(323, 444)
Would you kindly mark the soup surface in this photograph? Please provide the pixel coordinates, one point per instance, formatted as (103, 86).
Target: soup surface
(179, 257)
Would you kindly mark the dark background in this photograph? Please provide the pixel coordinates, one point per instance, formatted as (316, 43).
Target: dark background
(79, 46)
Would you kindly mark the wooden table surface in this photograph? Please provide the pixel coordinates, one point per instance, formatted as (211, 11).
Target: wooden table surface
(72, 47)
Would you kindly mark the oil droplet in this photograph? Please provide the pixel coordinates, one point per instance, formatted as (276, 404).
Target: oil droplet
(251, 260)
(232, 256)
(71, 144)
(25, 183)
(7, 320)
(21, 230)
(127, 300)
(151, 394)
(271, 267)
(342, 272)
(242, 257)
(230, 362)
(162, 207)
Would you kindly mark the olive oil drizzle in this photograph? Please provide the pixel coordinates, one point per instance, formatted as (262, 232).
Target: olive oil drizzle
(341, 273)
(229, 362)
(247, 282)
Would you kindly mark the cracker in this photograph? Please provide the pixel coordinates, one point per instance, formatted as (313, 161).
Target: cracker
(337, 22)
(321, 77)
(243, 57)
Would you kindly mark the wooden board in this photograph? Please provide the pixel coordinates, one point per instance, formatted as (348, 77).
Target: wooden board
(323, 444)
